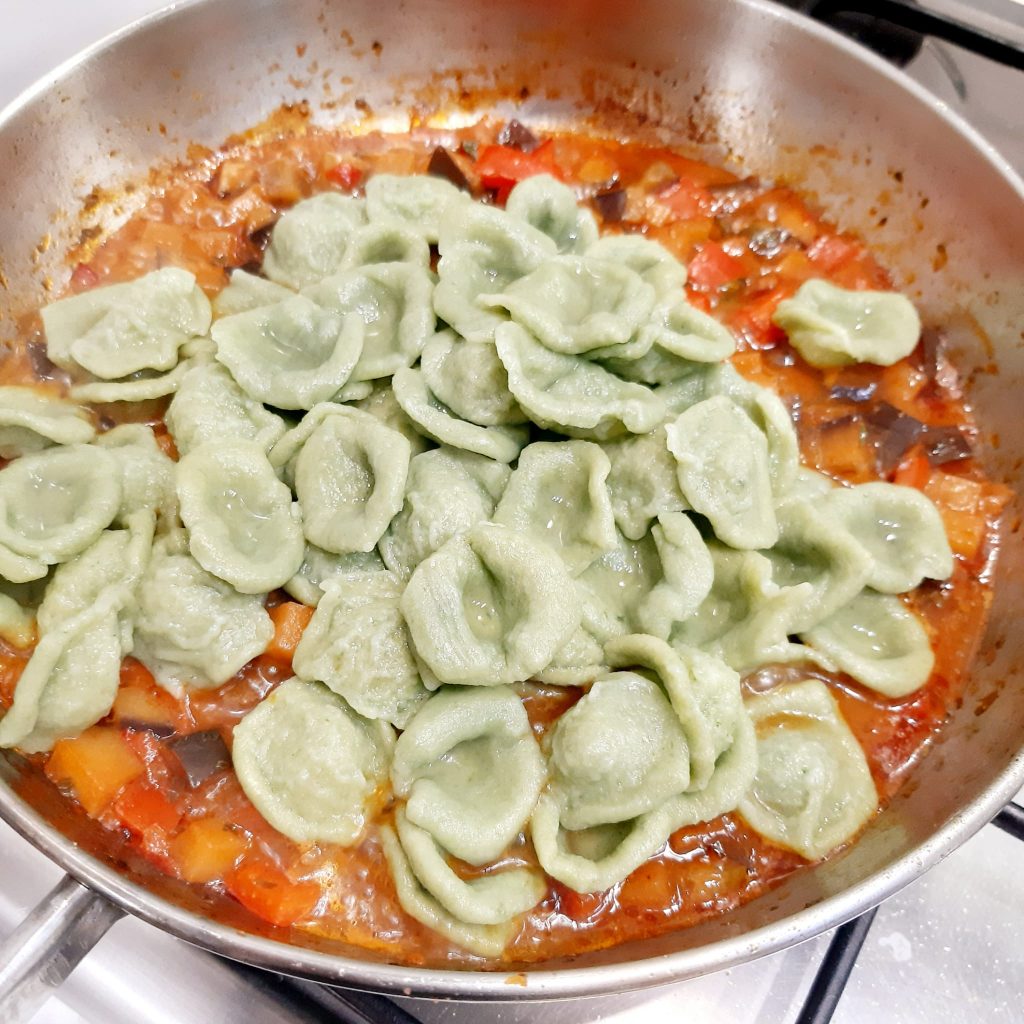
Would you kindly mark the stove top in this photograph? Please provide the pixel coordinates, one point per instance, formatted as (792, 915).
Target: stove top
(946, 948)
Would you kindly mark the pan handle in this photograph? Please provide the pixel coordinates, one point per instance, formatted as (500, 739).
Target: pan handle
(47, 946)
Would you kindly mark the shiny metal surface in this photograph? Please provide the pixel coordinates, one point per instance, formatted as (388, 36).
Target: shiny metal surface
(778, 97)
(37, 957)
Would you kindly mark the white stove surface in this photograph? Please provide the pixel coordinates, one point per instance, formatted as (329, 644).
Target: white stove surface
(948, 948)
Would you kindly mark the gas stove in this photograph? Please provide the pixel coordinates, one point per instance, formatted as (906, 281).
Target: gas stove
(946, 948)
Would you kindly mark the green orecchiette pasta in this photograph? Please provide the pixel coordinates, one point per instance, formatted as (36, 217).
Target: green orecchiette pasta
(879, 641)
(292, 354)
(30, 422)
(416, 202)
(573, 395)
(723, 472)
(490, 606)
(357, 644)
(191, 628)
(557, 494)
(310, 764)
(310, 241)
(813, 789)
(833, 326)
(120, 329)
(470, 770)
(349, 472)
(548, 205)
(242, 524)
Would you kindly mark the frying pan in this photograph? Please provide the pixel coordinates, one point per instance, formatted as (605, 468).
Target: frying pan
(738, 80)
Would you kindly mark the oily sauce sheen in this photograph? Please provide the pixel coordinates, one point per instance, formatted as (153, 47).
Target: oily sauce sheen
(178, 805)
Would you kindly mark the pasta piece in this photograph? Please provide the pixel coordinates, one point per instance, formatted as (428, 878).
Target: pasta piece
(814, 549)
(120, 329)
(650, 259)
(393, 301)
(617, 753)
(813, 790)
(31, 421)
(879, 641)
(581, 659)
(448, 491)
(769, 415)
(900, 530)
(72, 677)
(549, 206)
(483, 249)
(386, 243)
(290, 355)
(593, 860)
(210, 407)
(491, 899)
(747, 618)
(703, 691)
(53, 505)
(557, 494)
(147, 474)
(310, 241)
(686, 332)
(833, 326)
(572, 395)
(310, 765)
(144, 386)
(349, 472)
(577, 304)
(354, 391)
(687, 573)
(490, 606)
(246, 291)
(642, 482)
(621, 578)
(469, 378)
(723, 472)
(382, 404)
(413, 201)
(319, 565)
(17, 624)
(357, 645)
(433, 418)
(241, 522)
(470, 770)
(192, 629)
(481, 940)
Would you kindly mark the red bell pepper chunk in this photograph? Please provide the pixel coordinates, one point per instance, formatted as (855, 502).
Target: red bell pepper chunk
(501, 168)
(713, 268)
(346, 175)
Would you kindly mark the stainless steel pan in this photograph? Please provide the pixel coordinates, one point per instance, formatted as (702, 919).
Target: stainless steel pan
(741, 80)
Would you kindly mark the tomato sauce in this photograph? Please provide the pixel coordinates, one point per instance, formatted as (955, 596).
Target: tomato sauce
(747, 244)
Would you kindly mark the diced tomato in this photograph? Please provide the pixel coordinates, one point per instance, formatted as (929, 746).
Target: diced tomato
(713, 268)
(753, 320)
(97, 765)
(345, 174)
(290, 620)
(685, 199)
(914, 470)
(579, 905)
(267, 892)
(830, 252)
(141, 807)
(207, 849)
(83, 277)
(502, 167)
